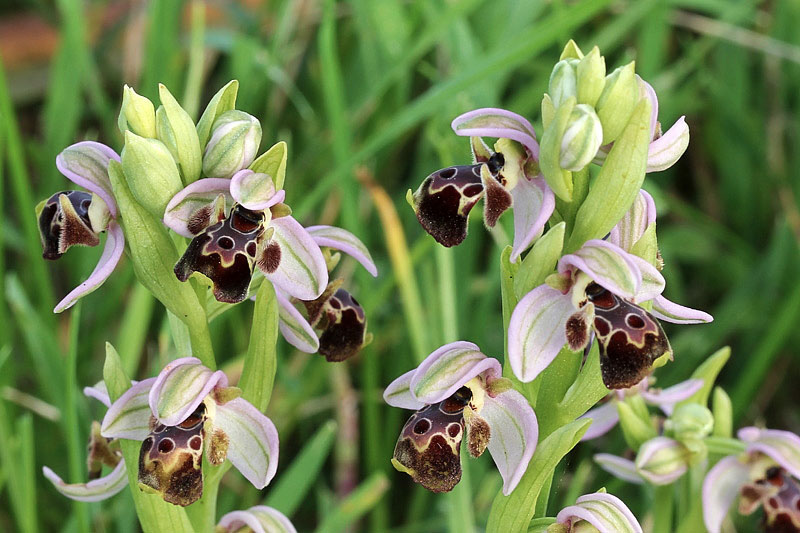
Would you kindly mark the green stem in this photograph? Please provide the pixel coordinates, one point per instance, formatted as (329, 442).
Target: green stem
(200, 338)
(724, 445)
(662, 508)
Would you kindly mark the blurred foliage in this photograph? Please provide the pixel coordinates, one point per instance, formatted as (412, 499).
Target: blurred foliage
(363, 91)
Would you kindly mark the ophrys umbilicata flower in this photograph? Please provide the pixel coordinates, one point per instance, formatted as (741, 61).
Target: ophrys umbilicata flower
(505, 177)
(186, 410)
(72, 218)
(458, 389)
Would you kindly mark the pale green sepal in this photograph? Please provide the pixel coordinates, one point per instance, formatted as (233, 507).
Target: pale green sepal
(186, 149)
(514, 512)
(273, 163)
(154, 514)
(151, 173)
(560, 180)
(540, 261)
(224, 100)
(723, 413)
(647, 246)
(563, 81)
(708, 371)
(617, 101)
(258, 373)
(154, 255)
(618, 182)
(137, 114)
(635, 430)
(548, 110)
(591, 77)
(571, 51)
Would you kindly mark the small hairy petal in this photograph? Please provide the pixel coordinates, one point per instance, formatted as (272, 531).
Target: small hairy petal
(93, 491)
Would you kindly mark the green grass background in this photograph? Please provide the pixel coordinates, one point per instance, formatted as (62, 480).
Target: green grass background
(366, 88)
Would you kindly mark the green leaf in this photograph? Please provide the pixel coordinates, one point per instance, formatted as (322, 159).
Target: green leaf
(540, 261)
(361, 500)
(154, 255)
(273, 163)
(514, 512)
(258, 373)
(295, 482)
(708, 372)
(224, 100)
(617, 183)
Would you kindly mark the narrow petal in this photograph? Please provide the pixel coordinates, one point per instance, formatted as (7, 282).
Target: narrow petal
(302, 271)
(782, 446)
(619, 467)
(608, 265)
(720, 489)
(603, 419)
(604, 511)
(115, 245)
(180, 387)
(93, 491)
(667, 149)
(294, 327)
(193, 203)
(534, 202)
(448, 369)
(667, 398)
(514, 434)
(99, 392)
(343, 240)
(663, 309)
(129, 416)
(398, 393)
(261, 519)
(633, 225)
(493, 122)
(537, 332)
(653, 282)
(253, 448)
(86, 164)
(254, 190)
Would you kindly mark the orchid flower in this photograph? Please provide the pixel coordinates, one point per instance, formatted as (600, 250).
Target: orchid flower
(71, 218)
(456, 389)
(187, 409)
(336, 313)
(259, 519)
(766, 475)
(604, 512)
(605, 416)
(237, 224)
(101, 452)
(506, 177)
(664, 150)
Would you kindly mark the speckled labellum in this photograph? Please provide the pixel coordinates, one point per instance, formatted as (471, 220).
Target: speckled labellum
(342, 321)
(429, 447)
(171, 459)
(779, 494)
(64, 222)
(630, 338)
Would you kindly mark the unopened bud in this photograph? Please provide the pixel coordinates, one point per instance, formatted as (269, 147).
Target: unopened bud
(137, 114)
(235, 140)
(582, 138)
(176, 130)
(662, 460)
(617, 101)
(151, 172)
(690, 421)
(563, 81)
(591, 74)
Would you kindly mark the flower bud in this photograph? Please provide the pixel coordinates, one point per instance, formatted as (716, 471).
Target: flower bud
(723, 413)
(176, 130)
(563, 81)
(690, 421)
(571, 51)
(635, 428)
(151, 172)
(591, 75)
(137, 114)
(234, 142)
(617, 101)
(662, 460)
(582, 138)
